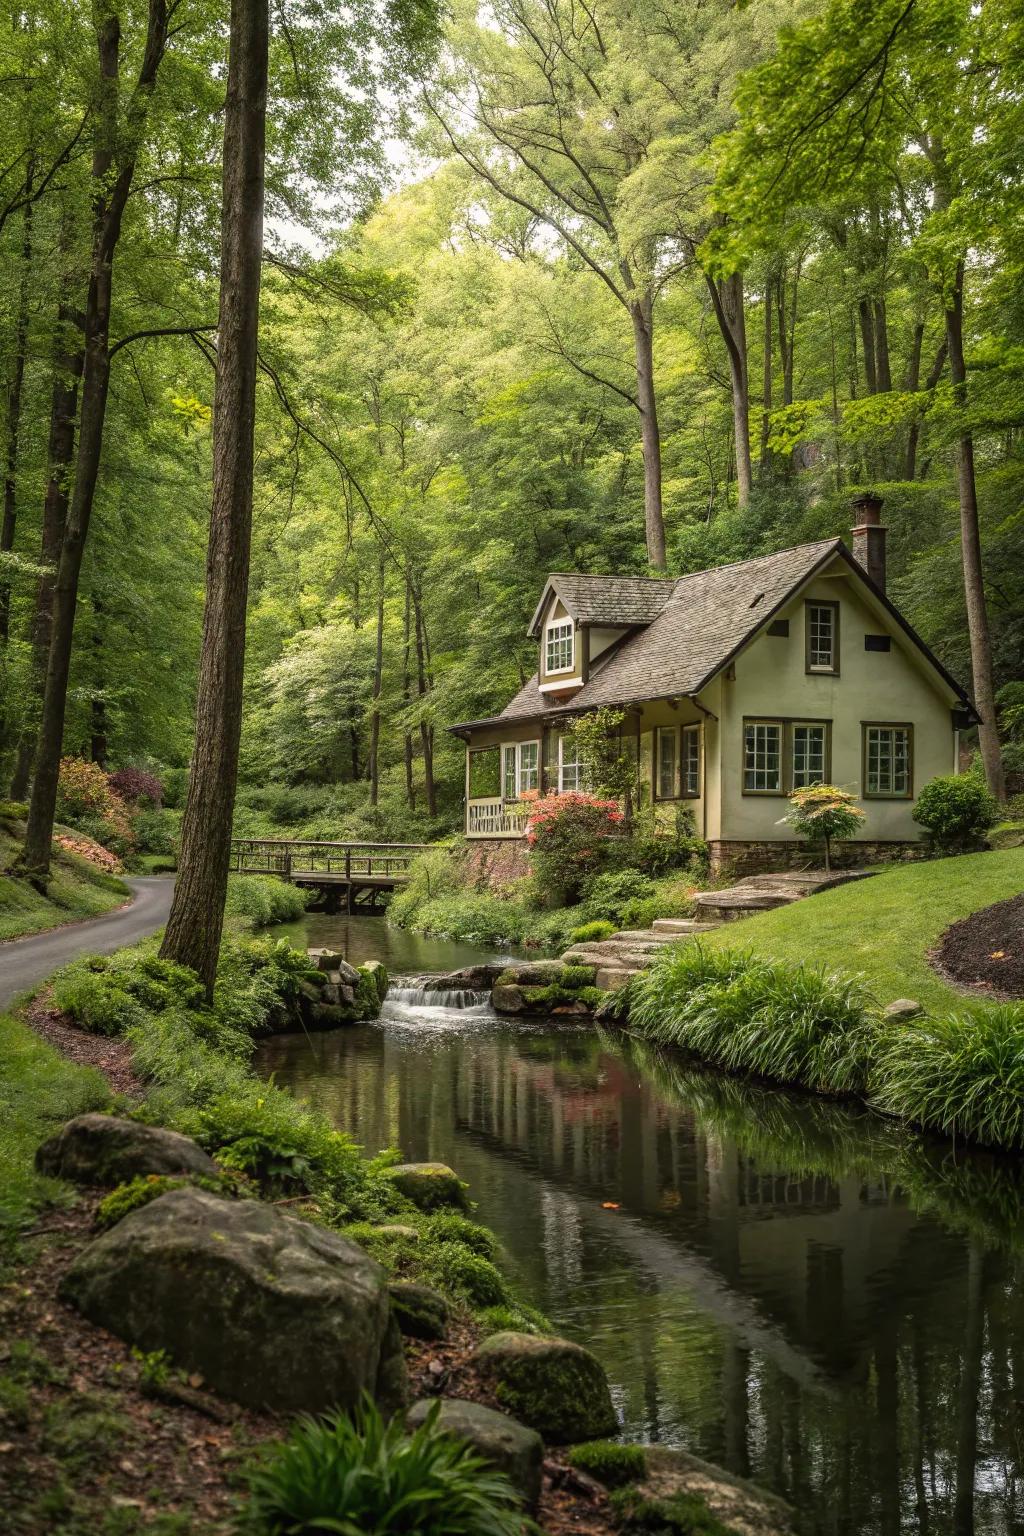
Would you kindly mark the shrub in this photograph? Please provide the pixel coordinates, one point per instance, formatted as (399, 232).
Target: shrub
(362, 1477)
(87, 848)
(175, 787)
(136, 787)
(678, 1514)
(612, 1464)
(790, 1024)
(822, 811)
(609, 895)
(156, 831)
(962, 1075)
(96, 1002)
(955, 810)
(592, 933)
(432, 873)
(86, 801)
(477, 918)
(264, 900)
(13, 810)
(568, 835)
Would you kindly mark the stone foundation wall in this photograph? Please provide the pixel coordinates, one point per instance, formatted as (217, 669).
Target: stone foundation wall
(732, 856)
(496, 862)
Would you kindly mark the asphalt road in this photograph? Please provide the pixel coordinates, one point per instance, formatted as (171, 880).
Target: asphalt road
(25, 962)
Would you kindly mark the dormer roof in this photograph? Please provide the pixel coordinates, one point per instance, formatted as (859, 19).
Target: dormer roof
(619, 602)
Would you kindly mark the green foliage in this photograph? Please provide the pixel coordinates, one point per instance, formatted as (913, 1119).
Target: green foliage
(263, 900)
(432, 875)
(156, 831)
(962, 1075)
(477, 918)
(678, 1514)
(76, 889)
(365, 1477)
(568, 837)
(609, 896)
(612, 1464)
(789, 1024)
(592, 933)
(133, 1196)
(95, 1001)
(824, 812)
(955, 810)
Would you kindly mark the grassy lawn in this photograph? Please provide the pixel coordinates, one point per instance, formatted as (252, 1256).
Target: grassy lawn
(884, 927)
(77, 890)
(39, 1090)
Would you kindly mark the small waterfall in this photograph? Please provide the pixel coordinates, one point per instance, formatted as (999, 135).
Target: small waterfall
(436, 997)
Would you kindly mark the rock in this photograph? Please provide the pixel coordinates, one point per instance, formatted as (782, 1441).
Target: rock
(509, 1446)
(311, 987)
(472, 978)
(576, 1007)
(738, 1505)
(421, 1313)
(328, 1015)
(429, 1185)
(377, 973)
(557, 1387)
(327, 959)
(100, 1149)
(272, 1311)
(345, 976)
(903, 1008)
(534, 973)
(508, 999)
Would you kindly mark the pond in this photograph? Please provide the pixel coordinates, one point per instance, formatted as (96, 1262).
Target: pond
(803, 1293)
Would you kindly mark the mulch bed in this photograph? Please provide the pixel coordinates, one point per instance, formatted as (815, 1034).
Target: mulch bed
(985, 951)
(161, 1455)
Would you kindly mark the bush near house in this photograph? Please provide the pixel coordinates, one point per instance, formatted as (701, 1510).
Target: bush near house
(567, 835)
(955, 810)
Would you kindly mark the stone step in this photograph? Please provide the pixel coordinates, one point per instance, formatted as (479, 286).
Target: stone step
(637, 959)
(642, 935)
(735, 903)
(679, 927)
(612, 976)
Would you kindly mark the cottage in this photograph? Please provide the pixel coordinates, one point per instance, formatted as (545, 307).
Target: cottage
(736, 685)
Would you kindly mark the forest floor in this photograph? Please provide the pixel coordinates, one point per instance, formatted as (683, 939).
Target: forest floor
(886, 929)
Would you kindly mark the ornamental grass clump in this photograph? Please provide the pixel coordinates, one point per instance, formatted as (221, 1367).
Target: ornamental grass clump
(962, 1075)
(788, 1024)
(363, 1477)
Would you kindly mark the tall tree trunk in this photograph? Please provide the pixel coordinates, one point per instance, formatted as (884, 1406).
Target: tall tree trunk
(727, 301)
(98, 703)
(882, 369)
(410, 786)
(378, 678)
(766, 392)
(867, 336)
(197, 913)
(787, 329)
(113, 170)
(641, 311)
(914, 433)
(426, 729)
(970, 548)
(14, 394)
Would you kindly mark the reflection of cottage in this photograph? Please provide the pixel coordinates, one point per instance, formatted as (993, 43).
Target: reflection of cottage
(737, 685)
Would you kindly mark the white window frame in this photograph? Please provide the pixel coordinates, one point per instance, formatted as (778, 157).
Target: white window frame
(690, 733)
(831, 666)
(808, 725)
(779, 726)
(551, 639)
(512, 752)
(576, 764)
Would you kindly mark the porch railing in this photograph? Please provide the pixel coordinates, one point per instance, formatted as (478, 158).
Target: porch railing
(493, 818)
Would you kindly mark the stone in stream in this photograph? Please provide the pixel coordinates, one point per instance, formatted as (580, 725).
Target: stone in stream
(328, 960)
(509, 1446)
(100, 1149)
(429, 1185)
(557, 1387)
(507, 998)
(421, 1313)
(738, 1505)
(472, 978)
(272, 1311)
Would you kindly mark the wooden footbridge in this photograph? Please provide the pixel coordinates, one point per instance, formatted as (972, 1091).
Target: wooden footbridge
(353, 874)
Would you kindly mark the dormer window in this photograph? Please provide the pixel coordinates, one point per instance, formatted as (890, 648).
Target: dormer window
(822, 620)
(559, 651)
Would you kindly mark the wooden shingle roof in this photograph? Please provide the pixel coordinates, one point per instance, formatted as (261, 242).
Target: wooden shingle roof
(616, 601)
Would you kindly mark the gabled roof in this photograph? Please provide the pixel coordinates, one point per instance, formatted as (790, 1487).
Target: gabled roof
(707, 618)
(618, 601)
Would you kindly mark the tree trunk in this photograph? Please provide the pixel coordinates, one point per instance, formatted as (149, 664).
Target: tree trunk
(378, 677)
(727, 301)
(867, 336)
(197, 913)
(914, 434)
(426, 730)
(111, 185)
(766, 394)
(641, 314)
(882, 369)
(98, 703)
(410, 786)
(787, 327)
(970, 549)
(14, 393)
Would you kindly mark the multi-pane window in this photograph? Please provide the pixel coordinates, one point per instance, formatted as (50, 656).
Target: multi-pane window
(691, 760)
(559, 650)
(822, 637)
(887, 766)
(667, 763)
(570, 765)
(808, 755)
(762, 756)
(520, 768)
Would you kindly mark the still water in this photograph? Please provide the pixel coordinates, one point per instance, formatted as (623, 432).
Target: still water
(805, 1294)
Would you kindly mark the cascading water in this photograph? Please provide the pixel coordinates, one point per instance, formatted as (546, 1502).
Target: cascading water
(420, 997)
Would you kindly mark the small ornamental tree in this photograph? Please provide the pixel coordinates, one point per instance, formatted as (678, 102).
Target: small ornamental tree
(955, 810)
(822, 812)
(568, 838)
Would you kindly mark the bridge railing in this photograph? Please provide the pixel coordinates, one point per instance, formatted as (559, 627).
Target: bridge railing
(290, 857)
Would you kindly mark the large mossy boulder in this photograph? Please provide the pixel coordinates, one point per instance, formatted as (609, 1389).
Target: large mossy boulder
(103, 1150)
(430, 1186)
(509, 1446)
(420, 1311)
(337, 993)
(272, 1311)
(557, 1387)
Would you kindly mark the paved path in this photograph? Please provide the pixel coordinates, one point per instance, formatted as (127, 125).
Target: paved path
(24, 962)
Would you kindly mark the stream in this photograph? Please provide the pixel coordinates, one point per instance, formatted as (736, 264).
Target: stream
(801, 1292)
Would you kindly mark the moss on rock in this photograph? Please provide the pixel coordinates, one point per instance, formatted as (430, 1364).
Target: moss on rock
(557, 1387)
(429, 1185)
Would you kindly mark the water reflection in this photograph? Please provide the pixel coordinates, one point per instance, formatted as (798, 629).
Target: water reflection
(805, 1294)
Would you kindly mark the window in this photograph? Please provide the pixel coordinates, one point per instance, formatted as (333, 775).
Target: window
(570, 765)
(484, 773)
(762, 757)
(822, 637)
(559, 649)
(520, 768)
(888, 761)
(809, 755)
(691, 760)
(666, 778)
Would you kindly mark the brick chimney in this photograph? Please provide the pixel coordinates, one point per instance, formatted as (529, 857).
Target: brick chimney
(869, 536)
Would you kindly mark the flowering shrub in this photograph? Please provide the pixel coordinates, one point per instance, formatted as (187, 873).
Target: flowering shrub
(136, 786)
(823, 811)
(88, 848)
(568, 835)
(86, 801)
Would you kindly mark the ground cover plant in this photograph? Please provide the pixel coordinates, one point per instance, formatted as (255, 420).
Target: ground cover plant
(262, 900)
(77, 889)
